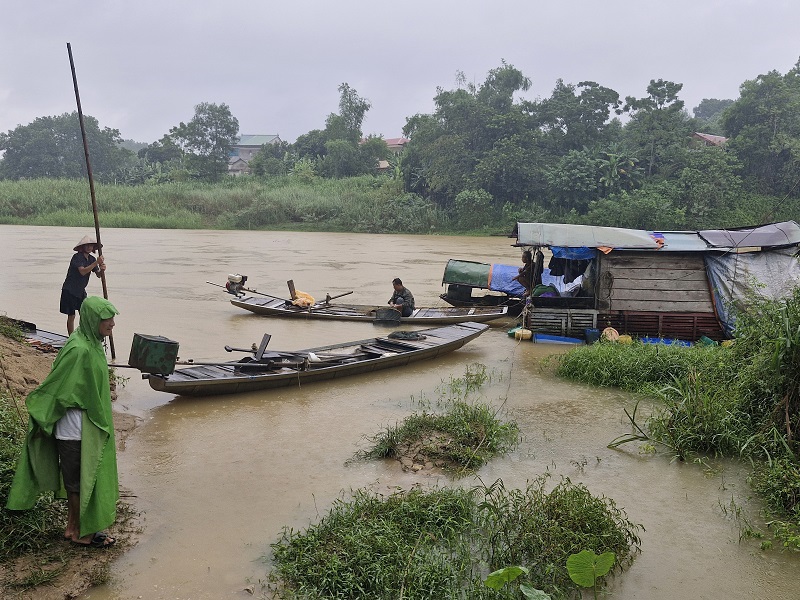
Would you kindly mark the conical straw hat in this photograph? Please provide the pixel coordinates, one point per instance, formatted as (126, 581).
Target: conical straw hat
(87, 239)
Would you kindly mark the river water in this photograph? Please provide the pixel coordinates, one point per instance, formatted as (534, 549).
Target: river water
(217, 478)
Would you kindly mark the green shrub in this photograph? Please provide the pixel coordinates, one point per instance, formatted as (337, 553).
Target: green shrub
(442, 543)
(22, 531)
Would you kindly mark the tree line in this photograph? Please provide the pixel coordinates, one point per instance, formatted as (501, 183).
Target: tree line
(583, 154)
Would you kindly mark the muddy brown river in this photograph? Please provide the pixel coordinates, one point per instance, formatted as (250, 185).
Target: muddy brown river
(217, 478)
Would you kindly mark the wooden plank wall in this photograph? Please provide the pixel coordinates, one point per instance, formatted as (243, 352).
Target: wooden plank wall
(650, 281)
(565, 321)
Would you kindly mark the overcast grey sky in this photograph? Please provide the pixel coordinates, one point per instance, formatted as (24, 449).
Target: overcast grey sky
(142, 65)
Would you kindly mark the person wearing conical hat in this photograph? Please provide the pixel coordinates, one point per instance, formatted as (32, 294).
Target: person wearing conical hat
(73, 291)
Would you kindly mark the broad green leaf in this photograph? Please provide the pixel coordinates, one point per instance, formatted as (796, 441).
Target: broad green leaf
(503, 576)
(604, 563)
(533, 593)
(585, 567)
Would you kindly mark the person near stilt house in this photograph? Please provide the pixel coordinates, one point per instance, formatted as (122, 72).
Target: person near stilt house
(525, 276)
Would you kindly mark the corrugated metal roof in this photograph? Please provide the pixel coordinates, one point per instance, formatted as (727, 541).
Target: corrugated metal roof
(257, 140)
(683, 241)
(786, 233)
(773, 235)
(715, 140)
(576, 236)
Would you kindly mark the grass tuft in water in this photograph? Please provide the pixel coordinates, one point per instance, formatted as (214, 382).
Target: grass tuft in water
(464, 436)
(442, 543)
(463, 439)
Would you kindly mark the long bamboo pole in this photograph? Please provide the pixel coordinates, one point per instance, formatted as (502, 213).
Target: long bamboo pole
(91, 184)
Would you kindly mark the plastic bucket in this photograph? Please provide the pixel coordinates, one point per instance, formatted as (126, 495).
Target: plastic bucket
(592, 335)
(523, 334)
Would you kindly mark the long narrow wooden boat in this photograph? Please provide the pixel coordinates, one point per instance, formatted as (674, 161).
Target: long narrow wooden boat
(46, 341)
(278, 307)
(278, 369)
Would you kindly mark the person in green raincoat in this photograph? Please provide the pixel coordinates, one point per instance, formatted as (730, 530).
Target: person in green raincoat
(70, 447)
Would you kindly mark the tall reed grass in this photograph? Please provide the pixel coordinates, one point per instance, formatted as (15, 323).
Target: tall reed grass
(359, 204)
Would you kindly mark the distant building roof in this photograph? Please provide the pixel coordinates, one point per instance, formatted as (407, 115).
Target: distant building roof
(712, 140)
(392, 142)
(257, 140)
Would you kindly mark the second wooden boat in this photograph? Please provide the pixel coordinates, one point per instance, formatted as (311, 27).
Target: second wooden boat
(264, 304)
(269, 369)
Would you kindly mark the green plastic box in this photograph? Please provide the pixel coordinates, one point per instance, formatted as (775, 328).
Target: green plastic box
(153, 354)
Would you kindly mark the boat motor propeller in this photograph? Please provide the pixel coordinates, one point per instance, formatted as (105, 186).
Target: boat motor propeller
(235, 283)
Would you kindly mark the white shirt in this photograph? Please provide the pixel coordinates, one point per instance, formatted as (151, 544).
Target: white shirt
(69, 426)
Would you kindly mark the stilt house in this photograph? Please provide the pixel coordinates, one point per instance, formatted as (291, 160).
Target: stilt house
(671, 284)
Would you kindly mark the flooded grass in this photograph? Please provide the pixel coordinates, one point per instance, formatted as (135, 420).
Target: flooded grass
(442, 543)
(741, 402)
(637, 367)
(461, 438)
(364, 204)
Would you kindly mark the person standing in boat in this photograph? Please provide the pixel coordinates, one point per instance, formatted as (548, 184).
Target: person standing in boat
(69, 448)
(73, 291)
(402, 299)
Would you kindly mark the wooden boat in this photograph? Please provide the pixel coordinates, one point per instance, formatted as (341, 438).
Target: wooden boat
(264, 304)
(46, 341)
(268, 369)
(472, 284)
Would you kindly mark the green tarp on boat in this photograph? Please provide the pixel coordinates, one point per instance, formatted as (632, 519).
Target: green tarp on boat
(465, 272)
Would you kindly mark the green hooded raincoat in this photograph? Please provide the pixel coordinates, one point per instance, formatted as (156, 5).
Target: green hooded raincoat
(78, 379)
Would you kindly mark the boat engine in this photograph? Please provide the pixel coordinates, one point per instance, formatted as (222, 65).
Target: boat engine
(235, 283)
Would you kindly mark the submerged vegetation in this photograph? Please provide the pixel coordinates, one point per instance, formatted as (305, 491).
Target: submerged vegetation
(462, 438)
(443, 543)
(742, 401)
